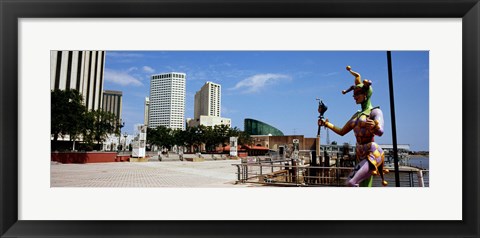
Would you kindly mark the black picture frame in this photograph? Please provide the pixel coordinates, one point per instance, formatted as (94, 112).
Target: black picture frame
(11, 11)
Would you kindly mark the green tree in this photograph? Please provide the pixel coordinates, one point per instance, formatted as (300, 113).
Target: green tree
(160, 136)
(243, 137)
(97, 125)
(222, 132)
(178, 137)
(196, 136)
(67, 114)
(190, 137)
(210, 138)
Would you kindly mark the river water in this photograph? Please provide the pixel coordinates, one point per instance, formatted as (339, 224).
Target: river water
(419, 162)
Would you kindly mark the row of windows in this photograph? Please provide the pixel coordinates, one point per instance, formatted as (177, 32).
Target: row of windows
(163, 76)
(167, 109)
(167, 86)
(168, 102)
(174, 82)
(167, 105)
(177, 84)
(167, 96)
(164, 113)
(167, 89)
(167, 115)
(153, 120)
(166, 92)
(166, 123)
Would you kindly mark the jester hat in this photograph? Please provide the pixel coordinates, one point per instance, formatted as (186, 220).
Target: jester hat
(359, 86)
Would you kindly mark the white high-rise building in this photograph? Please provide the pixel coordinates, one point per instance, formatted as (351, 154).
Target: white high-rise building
(167, 100)
(208, 100)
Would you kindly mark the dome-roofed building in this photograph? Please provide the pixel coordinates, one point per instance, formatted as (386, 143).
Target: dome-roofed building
(256, 127)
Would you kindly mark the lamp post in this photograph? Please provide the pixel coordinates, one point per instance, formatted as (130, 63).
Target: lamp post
(120, 125)
(125, 142)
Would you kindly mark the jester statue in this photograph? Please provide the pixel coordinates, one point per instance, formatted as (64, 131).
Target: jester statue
(366, 123)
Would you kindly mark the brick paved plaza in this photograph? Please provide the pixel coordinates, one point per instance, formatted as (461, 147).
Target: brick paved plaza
(219, 173)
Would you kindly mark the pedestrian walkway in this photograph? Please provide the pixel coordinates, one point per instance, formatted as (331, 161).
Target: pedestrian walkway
(174, 174)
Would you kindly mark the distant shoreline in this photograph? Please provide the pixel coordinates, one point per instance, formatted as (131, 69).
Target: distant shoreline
(420, 156)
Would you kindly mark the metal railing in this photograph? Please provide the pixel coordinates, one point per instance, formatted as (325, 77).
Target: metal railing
(289, 173)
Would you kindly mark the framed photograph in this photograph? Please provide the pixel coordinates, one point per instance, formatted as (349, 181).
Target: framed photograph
(439, 38)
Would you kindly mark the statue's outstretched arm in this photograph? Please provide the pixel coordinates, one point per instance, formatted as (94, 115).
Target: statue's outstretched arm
(340, 131)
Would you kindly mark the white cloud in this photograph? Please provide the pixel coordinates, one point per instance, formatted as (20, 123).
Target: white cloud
(122, 78)
(257, 82)
(148, 69)
(132, 69)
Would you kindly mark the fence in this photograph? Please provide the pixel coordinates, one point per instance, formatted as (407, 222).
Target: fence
(293, 173)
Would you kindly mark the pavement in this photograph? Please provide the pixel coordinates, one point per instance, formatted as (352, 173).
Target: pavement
(170, 172)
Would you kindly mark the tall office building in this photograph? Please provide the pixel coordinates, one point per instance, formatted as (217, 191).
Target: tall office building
(80, 70)
(167, 100)
(146, 112)
(112, 102)
(207, 100)
(207, 110)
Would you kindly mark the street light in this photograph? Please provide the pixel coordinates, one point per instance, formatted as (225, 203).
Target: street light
(125, 143)
(120, 125)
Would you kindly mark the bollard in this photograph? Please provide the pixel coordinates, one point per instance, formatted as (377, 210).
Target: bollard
(420, 178)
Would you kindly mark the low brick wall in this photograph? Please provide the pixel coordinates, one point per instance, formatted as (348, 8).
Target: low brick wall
(123, 158)
(84, 157)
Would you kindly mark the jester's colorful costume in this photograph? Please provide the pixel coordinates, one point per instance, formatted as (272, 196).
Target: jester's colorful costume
(366, 123)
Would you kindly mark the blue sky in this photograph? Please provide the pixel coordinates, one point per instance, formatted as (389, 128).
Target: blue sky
(280, 87)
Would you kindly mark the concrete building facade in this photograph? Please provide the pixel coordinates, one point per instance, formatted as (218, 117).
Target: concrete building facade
(112, 102)
(207, 107)
(208, 100)
(80, 70)
(209, 121)
(167, 100)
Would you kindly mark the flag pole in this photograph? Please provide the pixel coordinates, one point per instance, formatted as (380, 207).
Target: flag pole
(392, 114)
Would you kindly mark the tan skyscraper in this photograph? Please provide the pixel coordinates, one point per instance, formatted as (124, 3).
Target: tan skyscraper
(112, 102)
(207, 108)
(208, 100)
